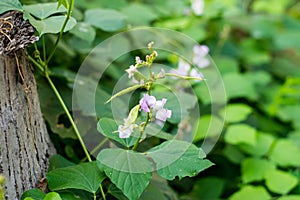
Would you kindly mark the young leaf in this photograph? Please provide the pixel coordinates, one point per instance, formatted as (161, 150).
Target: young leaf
(241, 133)
(108, 128)
(280, 182)
(130, 171)
(44, 10)
(50, 24)
(52, 196)
(65, 3)
(105, 19)
(285, 153)
(36, 194)
(178, 158)
(250, 192)
(236, 112)
(86, 176)
(57, 161)
(254, 169)
(6, 5)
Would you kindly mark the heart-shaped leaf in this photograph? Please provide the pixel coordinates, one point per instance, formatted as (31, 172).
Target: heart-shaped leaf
(51, 24)
(44, 10)
(130, 171)
(178, 158)
(86, 176)
(6, 5)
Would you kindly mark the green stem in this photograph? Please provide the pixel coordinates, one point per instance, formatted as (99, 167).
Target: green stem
(141, 132)
(62, 103)
(102, 192)
(69, 13)
(184, 77)
(44, 48)
(38, 65)
(97, 148)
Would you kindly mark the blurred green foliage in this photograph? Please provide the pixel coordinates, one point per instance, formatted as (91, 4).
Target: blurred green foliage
(256, 47)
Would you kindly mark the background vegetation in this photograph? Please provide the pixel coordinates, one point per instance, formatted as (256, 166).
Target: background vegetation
(255, 45)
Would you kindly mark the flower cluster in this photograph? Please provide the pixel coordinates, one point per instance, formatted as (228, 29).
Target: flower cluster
(149, 103)
(133, 73)
(199, 59)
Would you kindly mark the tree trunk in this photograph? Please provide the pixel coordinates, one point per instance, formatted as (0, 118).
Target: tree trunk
(25, 145)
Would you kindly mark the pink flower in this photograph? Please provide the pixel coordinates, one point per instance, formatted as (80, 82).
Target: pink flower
(163, 114)
(147, 102)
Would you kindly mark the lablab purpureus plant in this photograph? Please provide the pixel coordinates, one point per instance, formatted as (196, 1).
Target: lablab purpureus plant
(149, 104)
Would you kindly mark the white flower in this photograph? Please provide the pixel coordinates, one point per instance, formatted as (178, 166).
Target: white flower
(196, 74)
(138, 60)
(200, 56)
(126, 129)
(159, 104)
(163, 114)
(198, 7)
(132, 69)
(183, 68)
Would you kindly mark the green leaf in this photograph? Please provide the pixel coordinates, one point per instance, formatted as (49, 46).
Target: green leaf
(203, 188)
(208, 126)
(244, 88)
(262, 145)
(250, 192)
(128, 170)
(159, 189)
(36, 194)
(86, 176)
(240, 133)
(236, 112)
(57, 161)
(139, 14)
(6, 5)
(285, 153)
(108, 128)
(44, 10)
(52, 196)
(84, 31)
(64, 3)
(233, 154)
(52, 110)
(133, 114)
(280, 182)
(105, 19)
(289, 197)
(226, 65)
(178, 158)
(254, 169)
(50, 25)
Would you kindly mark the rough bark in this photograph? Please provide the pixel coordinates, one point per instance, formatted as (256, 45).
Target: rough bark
(25, 145)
